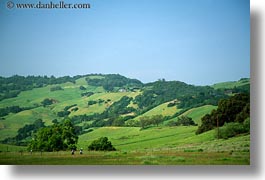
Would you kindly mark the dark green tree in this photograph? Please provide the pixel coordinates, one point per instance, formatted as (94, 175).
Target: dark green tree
(233, 109)
(101, 144)
(157, 119)
(185, 121)
(54, 138)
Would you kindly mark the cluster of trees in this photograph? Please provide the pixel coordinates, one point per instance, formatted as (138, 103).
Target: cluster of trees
(59, 136)
(47, 102)
(201, 98)
(111, 116)
(238, 89)
(182, 120)
(12, 86)
(90, 103)
(82, 88)
(110, 81)
(99, 101)
(232, 129)
(233, 109)
(25, 133)
(146, 121)
(121, 107)
(87, 94)
(65, 112)
(101, 144)
(12, 109)
(188, 96)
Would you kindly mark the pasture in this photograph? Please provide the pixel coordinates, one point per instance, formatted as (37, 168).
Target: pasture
(152, 146)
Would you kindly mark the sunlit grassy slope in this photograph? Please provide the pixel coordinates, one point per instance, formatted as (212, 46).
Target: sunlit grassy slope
(159, 138)
(160, 110)
(197, 113)
(231, 84)
(70, 95)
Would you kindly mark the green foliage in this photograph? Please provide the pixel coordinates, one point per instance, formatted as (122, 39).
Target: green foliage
(110, 81)
(101, 144)
(232, 129)
(171, 104)
(87, 94)
(185, 121)
(146, 121)
(120, 107)
(82, 88)
(243, 83)
(56, 88)
(25, 132)
(68, 107)
(11, 86)
(189, 96)
(47, 102)
(233, 109)
(63, 113)
(182, 120)
(12, 109)
(118, 122)
(54, 138)
(91, 103)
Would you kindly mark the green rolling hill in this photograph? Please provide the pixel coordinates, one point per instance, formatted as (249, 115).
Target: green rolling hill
(94, 104)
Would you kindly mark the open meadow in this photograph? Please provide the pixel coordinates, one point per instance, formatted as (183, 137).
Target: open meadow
(154, 146)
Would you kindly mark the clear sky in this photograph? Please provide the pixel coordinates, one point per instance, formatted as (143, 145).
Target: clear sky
(195, 41)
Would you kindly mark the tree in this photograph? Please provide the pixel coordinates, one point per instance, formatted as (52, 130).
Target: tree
(145, 121)
(68, 134)
(118, 122)
(101, 144)
(82, 88)
(157, 119)
(185, 121)
(54, 138)
(47, 102)
(233, 109)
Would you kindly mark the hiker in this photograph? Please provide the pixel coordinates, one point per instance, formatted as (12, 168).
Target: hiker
(81, 150)
(73, 151)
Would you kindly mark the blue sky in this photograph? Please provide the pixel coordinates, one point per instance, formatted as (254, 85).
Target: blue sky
(196, 41)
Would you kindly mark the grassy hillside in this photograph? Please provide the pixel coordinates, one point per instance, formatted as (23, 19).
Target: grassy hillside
(231, 84)
(157, 138)
(70, 95)
(197, 113)
(153, 145)
(160, 110)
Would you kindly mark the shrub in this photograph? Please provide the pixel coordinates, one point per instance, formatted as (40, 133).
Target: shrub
(82, 88)
(101, 144)
(231, 130)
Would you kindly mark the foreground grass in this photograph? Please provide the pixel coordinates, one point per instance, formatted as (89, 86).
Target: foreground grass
(165, 157)
(154, 146)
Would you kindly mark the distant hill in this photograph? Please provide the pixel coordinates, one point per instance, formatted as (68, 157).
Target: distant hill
(232, 84)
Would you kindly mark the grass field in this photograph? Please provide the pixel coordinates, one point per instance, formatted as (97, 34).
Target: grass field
(160, 110)
(152, 146)
(231, 84)
(159, 138)
(193, 150)
(166, 157)
(197, 113)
